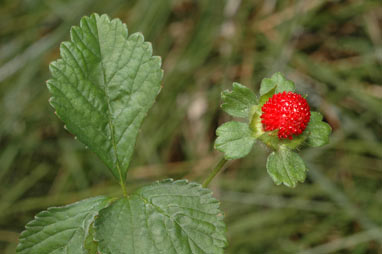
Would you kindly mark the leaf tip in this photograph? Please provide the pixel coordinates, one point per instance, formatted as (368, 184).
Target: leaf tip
(157, 60)
(138, 36)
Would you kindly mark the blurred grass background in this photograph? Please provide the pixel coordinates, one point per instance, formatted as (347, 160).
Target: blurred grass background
(331, 49)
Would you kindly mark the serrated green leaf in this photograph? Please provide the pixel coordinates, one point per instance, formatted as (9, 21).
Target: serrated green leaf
(286, 167)
(165, 217)
(61, 230)
(103, 86)
(234, 139)
(318, 130)
(238, 102)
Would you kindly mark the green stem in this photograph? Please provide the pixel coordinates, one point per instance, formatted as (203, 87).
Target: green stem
(214, 172)
(123, 186)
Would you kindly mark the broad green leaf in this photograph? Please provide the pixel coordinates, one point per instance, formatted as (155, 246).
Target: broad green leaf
(238, 102)
(318, 130)
(169, 217)
(103, 86)
(61, 230)
(276, 84)
(286, 167)
(234, 139)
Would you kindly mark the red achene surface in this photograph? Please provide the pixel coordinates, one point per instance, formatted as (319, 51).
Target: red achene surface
(287, 112)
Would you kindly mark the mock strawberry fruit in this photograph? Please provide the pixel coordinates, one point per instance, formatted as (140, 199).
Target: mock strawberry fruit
(289, 113)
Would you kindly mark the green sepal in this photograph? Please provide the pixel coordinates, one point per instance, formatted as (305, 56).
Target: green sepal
(234, 139)
(255, 121)
(286, 167)
(271, 139)
(276, 84)
(317, 130)
(238, 102)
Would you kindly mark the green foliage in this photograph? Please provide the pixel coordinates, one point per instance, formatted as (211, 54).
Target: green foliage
(341, 79)
(276, 84)
(103, 86)
(61, 230)
(168, 216)
(234, 140)
(319, 131)
(286, 167)
(238, 102)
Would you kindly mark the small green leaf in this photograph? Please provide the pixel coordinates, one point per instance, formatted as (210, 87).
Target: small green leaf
(103, 86)
(165, 217)
(276, 84)
(61, 230)
(267, 85)
(234, 139)
(287, 167)
(238, 101)
(318, 130)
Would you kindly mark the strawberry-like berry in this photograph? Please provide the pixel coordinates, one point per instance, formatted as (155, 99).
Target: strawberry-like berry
(287, 112)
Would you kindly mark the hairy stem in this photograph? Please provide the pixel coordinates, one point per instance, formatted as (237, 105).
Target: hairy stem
(214, 172)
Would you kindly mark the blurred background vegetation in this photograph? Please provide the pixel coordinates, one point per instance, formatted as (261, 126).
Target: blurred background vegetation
(331, 49)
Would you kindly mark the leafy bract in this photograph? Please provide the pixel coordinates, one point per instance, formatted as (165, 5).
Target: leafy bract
(276, 84)
(287, 167)
(234, 139)
(238, 102)
(103, 86)
(319, 131)
(255, 124)
(169, 217)
(61, 230)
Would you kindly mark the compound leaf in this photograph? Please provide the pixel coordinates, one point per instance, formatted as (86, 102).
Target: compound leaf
(238, 102)
(61, 230)
(234, 139)
(286, 167)
(319, 131)
(103, 86)
(168, 217)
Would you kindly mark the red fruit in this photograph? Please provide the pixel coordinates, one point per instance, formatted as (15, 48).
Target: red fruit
(287, 112)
